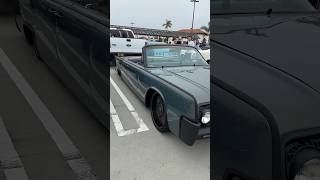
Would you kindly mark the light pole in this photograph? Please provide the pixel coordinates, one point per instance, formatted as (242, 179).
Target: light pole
(194, 8)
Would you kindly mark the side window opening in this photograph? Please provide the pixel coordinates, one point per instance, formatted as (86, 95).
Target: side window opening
(115, 33)
(130, 34)
(124, 34)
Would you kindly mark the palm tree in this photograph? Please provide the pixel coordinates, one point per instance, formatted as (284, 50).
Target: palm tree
(168, 24)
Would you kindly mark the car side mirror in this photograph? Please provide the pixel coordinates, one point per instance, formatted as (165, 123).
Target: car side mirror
(208, 61)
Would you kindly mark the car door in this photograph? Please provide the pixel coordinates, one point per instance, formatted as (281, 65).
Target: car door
(134, 72)
(100, 58)
(45, 32)
(142, 80)
(131, 72)
(82, 50)
(114, 40)
(125, 40)
(73, 49)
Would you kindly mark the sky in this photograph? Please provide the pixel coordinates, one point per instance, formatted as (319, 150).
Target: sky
(153, 13)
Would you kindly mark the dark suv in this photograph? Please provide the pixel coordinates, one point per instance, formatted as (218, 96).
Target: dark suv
(265, 88)
(71, 37)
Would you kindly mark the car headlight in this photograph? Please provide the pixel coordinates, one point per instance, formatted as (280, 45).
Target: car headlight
(205, 118)
(309, 170)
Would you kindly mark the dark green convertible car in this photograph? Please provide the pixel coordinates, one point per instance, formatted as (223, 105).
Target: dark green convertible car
(174, 82)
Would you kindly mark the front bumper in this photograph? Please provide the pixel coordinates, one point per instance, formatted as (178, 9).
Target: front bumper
(190, 131)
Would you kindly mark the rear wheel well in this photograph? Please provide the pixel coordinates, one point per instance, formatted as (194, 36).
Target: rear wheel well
(149, 95)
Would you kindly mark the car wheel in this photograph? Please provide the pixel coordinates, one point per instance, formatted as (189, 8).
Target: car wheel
(159, 113)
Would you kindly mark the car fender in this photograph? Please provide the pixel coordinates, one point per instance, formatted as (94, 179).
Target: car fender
(173, 120)
(152, 88)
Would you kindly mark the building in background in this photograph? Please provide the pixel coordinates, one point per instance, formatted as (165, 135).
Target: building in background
(157, 34)
(197, 34)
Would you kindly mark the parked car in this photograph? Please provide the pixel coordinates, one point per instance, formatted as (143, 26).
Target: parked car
(173, 81)
(266, 90)
(123, 42)
(71, 37)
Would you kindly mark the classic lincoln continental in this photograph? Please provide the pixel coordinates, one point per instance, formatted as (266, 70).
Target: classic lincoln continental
(70, 37)
(266, 90)
(174, 82)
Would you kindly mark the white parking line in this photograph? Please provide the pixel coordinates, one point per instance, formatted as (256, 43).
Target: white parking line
(117, 123)
(69, 151)
(9, 159)
(116, 120)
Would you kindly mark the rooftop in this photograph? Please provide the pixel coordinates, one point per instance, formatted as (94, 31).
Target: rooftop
(194, 31)
(153, 32)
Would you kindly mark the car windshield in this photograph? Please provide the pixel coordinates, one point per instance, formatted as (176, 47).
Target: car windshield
(172, 56)
(261, 6)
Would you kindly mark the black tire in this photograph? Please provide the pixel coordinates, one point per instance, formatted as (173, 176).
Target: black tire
(159, 113)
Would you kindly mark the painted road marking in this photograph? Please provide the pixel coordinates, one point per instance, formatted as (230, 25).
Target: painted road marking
(69, 151)
(116, 120)
(117, 123)
(9, 159)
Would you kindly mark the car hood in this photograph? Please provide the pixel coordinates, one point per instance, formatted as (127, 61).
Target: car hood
(289, 44)
(193, 80)
(276, 62)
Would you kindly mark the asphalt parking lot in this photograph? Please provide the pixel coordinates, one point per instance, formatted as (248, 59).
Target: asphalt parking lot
(139, 152)
(45, 132)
